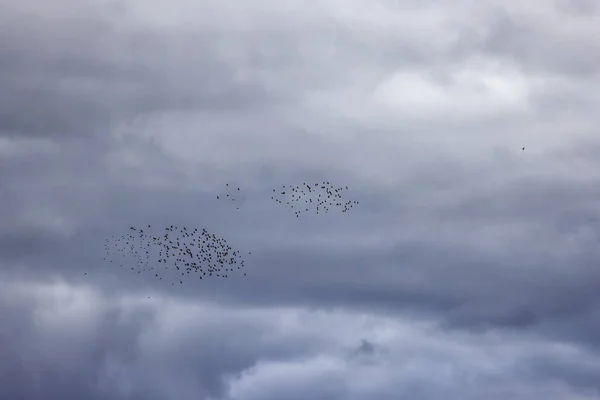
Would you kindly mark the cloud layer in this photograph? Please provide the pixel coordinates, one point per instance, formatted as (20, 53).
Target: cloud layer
(468, 271)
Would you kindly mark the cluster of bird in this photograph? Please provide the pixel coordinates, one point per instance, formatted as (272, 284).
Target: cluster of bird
(193, 252)
(307, 197)
(231, 194)
(318, 197)
(182, 250)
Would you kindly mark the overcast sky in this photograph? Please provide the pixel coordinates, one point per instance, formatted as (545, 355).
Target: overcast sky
(469, 270)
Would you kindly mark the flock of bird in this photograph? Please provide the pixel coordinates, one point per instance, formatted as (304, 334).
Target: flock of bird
(319, 197)
(185, 251)
(188, 252)
(193, 251)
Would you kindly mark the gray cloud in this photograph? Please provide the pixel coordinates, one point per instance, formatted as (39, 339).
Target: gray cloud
(120, 114)
(101, 346)
(55, 82)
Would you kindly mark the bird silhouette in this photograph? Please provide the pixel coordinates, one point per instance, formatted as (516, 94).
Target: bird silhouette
(232, 195)
(187, 252)
(319, 198)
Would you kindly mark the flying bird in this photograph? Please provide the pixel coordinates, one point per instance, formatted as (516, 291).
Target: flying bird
(182, 251)
(317, 198)
(235, 197)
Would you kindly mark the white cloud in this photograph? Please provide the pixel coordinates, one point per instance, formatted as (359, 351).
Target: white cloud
(479, 89)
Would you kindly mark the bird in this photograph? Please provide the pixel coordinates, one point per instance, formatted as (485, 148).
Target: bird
(318, 198)
(236, 196)
(182, 251)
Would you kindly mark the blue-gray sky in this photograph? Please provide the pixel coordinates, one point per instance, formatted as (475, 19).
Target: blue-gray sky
(469, 271)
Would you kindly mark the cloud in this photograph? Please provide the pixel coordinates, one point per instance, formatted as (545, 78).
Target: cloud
(88, 343)
(467, 272)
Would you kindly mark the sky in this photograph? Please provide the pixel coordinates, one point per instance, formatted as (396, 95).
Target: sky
(469, 269)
